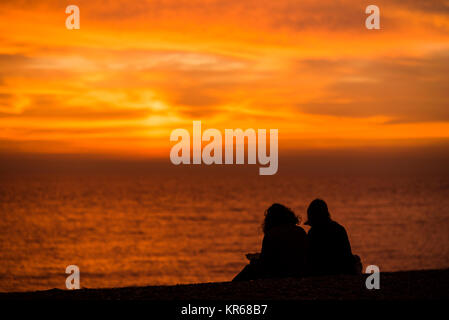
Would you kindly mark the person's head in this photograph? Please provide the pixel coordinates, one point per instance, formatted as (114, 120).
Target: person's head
(317, 213)
(278, 214)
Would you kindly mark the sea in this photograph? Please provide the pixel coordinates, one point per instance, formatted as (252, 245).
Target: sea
(158, 224)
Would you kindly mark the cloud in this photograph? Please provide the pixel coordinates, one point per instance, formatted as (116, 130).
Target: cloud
(431, 6)
(329, 15)
(405, 89)
(297, 65)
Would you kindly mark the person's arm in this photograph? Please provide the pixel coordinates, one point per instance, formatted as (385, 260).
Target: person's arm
(311, 254)
(303, 252)
(348, 263)
(267, 249)
(346, 248)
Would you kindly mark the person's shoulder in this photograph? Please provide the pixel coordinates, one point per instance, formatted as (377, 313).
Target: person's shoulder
(337, 227)
(285, 229)
(300, 230)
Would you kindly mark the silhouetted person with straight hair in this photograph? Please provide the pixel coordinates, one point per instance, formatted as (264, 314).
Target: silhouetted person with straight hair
(328, 244)
(284, 248)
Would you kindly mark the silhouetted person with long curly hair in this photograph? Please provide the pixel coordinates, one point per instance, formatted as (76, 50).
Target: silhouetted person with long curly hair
(284, 247)
(328, 243)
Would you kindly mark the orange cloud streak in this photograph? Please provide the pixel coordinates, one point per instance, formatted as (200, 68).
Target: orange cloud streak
(138, 69)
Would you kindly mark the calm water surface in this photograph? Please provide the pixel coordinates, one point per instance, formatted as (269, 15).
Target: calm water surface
(184, 226)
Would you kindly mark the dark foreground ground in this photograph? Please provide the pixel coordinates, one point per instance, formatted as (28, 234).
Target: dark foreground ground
(407, 285)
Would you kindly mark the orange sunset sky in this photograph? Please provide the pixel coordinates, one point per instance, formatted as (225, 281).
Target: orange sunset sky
(136, 70)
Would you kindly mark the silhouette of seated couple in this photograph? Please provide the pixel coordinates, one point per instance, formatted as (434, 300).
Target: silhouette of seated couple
(287, 251)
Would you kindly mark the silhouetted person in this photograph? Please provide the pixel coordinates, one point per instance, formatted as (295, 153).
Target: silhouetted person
(284, 247)
(328, 243)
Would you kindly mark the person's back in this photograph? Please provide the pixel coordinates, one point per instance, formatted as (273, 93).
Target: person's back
(329, 250)
(284, 248)
(284, 251)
